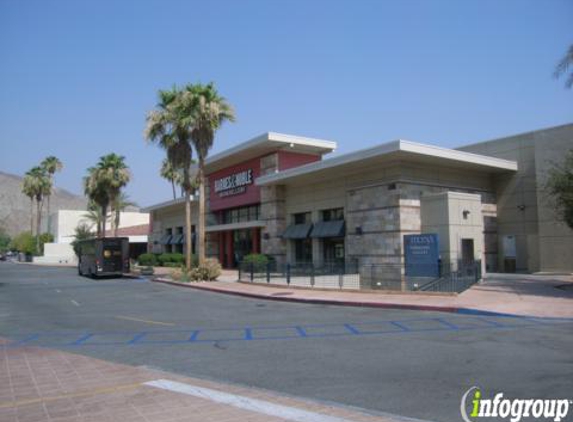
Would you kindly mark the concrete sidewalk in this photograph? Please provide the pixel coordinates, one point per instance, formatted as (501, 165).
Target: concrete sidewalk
(49, 385)
(516, 294)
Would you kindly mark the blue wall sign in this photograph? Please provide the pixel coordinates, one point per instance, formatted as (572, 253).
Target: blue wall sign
(422, 254)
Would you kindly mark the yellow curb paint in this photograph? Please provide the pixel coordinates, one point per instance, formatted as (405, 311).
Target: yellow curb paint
(147, 321)
(94, 392)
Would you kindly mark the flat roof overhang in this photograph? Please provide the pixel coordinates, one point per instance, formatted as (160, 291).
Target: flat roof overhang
(234, 226)
(395, 151)
(264, 144)
(168, 204)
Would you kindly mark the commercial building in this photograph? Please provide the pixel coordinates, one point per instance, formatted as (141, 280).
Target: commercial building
(282, 196)
(63, 223)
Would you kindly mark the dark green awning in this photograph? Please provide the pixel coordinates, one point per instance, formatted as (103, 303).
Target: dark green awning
(297, 231)
(177, 239)
(328, 229)
(166, 239)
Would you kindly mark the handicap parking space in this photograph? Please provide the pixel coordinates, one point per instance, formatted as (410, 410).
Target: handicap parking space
(427, 326)
(223, 334)
(275, 333)
(324, 330)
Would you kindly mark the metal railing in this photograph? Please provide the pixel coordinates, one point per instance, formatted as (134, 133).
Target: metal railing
(350, 275)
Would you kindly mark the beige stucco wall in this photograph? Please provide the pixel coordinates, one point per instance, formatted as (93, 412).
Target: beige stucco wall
(384, 202)
(454, 216)
(524, 210)
(169, 217)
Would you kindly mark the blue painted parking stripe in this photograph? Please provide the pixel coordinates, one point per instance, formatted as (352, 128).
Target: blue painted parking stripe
(248, 334)
(301, 332)
(448, 324)
(194, 334)
(402, 327)
(81, 340)
(352, 329)
(137, 338)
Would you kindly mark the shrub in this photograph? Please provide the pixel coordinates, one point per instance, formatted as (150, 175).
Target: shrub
(164, 258)
(257, 259)
(172, 264)
(147, 259)
(177, 258)
(45, 238)
(176, 275)
(209, 271)
(25, 243)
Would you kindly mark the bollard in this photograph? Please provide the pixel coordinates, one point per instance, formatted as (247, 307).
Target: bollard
(340, 277)
(252, 268)
(268, 272)
(288, 274)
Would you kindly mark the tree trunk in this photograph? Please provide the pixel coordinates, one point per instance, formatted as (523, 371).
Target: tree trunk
(116, 224)
(48, 215)
(188, 238)
(104, 217)
(201, 228)
(173, 186)
(38, 224)
(32, 216)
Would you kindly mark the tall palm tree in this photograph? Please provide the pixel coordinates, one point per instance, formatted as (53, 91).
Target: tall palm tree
(168, 172)
(28, 190)
(205, 111)
(167, 128)
(564, 64)
(120, 203)
(51, 165)
(40, 186)
(104, 182)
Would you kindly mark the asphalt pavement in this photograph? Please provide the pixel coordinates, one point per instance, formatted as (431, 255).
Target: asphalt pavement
(411, 363)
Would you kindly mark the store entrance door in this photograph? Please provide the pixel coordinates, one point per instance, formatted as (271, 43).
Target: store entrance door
(242, 245)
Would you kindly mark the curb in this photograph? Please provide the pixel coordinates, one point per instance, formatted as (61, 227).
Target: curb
(379, 305)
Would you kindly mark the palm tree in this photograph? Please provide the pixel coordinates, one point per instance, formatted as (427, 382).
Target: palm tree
(167, 128)
(205, 111)
(39, 185)
(169, 173)
(51, 165)
(28, 190)
(104, 182)
(94, 216)
(121, 202)
(563, 66)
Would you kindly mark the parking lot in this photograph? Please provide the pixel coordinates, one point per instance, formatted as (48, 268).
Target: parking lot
(410, 363)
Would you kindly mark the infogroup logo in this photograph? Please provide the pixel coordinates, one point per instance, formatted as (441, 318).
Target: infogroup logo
(514, 409)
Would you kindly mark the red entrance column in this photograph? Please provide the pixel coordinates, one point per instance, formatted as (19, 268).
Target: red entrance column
(256, 240)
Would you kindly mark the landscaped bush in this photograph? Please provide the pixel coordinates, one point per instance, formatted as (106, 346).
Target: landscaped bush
(146, 259)
(177, 258)
(25, 243)
(164, 258)
(209, 271)
(256, 258)
(171, 264)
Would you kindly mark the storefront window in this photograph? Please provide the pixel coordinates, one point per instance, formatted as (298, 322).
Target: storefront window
(302, 218)
(303, 251)
(333, 214)
(240, 215)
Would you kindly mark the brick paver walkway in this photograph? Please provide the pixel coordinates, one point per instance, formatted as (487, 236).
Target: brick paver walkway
(528, 295)
(40, 384)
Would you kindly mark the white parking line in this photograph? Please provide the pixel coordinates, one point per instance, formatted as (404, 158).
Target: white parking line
(75, 303)
(58, 290)
(246, 403)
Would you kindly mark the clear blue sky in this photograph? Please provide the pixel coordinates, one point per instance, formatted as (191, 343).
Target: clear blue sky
(77, 77)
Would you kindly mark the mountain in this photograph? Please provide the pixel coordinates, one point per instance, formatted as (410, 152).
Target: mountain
(15, 206)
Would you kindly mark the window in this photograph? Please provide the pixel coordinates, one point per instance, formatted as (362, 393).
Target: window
(333, 214)
(302, 218)
(239, 215)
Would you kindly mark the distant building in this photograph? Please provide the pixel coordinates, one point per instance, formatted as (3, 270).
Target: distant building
(276, 195)
(63, 223)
